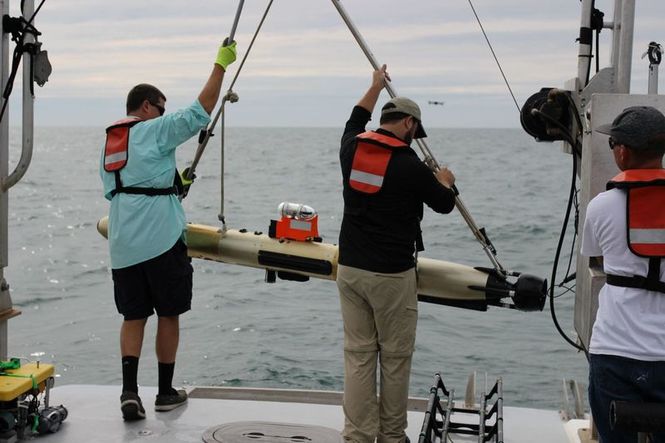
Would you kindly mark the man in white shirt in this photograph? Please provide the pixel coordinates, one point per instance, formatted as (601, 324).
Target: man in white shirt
(625, 231)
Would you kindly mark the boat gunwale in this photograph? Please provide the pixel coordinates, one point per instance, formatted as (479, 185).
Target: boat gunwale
(307, 396)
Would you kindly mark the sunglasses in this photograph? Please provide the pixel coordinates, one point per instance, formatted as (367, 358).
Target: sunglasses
(612, 142)
(160, 108)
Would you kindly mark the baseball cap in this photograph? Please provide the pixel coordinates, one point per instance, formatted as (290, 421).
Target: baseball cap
(405, 106)
(639, 127)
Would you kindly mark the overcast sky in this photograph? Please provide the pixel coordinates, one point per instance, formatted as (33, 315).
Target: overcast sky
(305, 68)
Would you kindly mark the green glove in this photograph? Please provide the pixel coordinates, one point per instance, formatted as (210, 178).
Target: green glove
(226, 54)
(185, 180)
(185, 183)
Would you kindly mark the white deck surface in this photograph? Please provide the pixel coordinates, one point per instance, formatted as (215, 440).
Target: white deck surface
(94, 416)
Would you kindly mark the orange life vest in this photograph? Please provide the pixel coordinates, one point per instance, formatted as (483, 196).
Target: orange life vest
(116, 155)
(370, 162)
(116, 150)
(645, 222)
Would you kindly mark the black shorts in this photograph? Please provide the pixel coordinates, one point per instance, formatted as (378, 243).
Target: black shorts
(163, 283)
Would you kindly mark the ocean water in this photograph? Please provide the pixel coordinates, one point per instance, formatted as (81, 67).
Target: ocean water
(244, 332)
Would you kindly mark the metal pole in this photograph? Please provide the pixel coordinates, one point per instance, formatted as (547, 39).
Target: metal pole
(653, 79)
(232, 34)
(4, 143)
(625, 46)
(428, 157)
(28, 107)
(586, 39)
(655, 53)
(232, 97)
(204, 142)
(5, 298)
(28, 125)
(616, 27)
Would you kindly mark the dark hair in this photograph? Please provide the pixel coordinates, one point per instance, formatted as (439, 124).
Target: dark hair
(651, 154)
(142, 92)
(652, 149)
(392, 117)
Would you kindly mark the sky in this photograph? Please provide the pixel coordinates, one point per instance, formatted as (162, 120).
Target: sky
(305, 68)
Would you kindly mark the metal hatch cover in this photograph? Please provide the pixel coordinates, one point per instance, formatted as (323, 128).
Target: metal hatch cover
(270, 432)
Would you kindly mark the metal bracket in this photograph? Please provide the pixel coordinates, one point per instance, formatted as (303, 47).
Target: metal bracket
(604, 81)
(5, 297)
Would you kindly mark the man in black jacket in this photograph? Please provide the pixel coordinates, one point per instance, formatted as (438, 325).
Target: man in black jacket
(385, 186)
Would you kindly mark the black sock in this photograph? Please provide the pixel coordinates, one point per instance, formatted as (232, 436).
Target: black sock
(166, 378)
(130, 369)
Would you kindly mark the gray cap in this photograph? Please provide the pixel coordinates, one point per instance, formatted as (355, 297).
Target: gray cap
(639, 127)
(405, 106)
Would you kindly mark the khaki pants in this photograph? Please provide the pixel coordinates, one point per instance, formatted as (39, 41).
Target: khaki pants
(380, 313)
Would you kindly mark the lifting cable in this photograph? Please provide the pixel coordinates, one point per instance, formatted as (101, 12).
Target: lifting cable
(572, 194)
(496, 59)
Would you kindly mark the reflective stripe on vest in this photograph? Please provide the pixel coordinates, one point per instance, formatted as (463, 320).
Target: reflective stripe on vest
(370, 161)
(645, 201)
(117, 144)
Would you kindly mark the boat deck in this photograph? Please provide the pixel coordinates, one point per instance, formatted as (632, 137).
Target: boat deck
(94, 415)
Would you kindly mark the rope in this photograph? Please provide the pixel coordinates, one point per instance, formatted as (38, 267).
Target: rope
(232, 97)
(495, 57)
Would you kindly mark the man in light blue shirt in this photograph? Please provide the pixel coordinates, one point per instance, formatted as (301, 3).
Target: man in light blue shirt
(150, 266)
